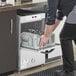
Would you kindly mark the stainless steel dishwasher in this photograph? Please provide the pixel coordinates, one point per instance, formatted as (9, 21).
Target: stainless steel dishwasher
(31, 27)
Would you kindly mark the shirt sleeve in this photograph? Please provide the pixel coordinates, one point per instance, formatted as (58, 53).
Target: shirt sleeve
(51, 12)
(60, 15)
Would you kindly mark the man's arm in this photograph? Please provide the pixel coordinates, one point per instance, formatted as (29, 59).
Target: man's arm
(48, 30)
(51, 11)
(51, 21)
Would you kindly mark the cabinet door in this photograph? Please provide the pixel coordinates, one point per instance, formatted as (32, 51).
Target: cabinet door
(8, 42)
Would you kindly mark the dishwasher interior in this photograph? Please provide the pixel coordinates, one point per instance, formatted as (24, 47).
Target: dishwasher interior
(31, 26)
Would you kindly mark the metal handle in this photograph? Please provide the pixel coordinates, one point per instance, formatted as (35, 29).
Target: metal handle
(47, 52)
(11, 26)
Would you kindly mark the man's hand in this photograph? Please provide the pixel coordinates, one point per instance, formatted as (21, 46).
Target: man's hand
(47, 32)
(43, 41)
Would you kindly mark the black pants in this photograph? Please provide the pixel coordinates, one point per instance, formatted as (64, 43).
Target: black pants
(68, 34)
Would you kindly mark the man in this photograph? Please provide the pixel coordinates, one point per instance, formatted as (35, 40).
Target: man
(68, 33)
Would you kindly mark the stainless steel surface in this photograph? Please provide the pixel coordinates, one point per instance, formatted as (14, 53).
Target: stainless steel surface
(31, 40)
(29, 24)
(30, 58)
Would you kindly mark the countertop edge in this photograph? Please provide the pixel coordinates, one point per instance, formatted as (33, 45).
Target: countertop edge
(24, 5)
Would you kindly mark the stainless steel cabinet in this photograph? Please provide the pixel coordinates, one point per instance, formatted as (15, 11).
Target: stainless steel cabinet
(8, 42)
